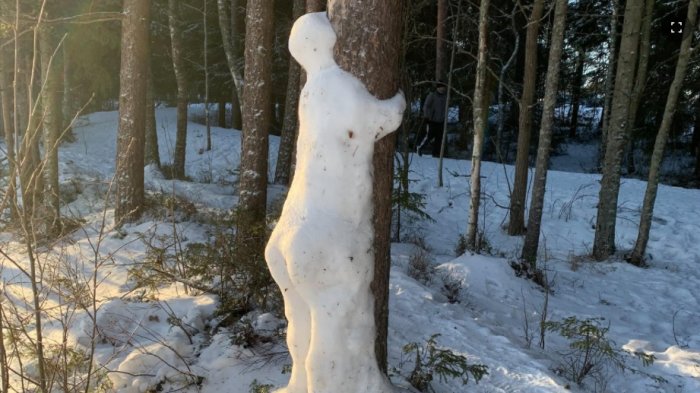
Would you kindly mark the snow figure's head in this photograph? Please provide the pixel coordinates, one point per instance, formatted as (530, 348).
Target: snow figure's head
(311, 42)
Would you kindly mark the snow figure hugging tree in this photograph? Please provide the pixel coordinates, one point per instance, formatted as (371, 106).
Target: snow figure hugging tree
(320, 253)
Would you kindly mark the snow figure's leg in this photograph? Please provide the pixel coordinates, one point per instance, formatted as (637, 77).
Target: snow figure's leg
(341, 357)
(298, 321)
(388, 115)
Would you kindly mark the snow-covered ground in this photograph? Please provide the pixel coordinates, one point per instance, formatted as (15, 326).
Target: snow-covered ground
(656, 310)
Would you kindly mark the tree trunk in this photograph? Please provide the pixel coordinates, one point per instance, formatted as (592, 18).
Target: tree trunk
(228, 38)
(152, 151)
(284, 156)
(221, 105)
(31, 179)
(640, 82)
(6, 99)
(480, 117)
(51, 72)
(181, 80)
(315, 5)
(696, 140)
(257, 117)
(516, 224)
(207, 118)
(440, 40)
(377, 66)
(532, 237)
(576, 92)
(637, 256)
(133, 79)
(604, 242)
(609, 82)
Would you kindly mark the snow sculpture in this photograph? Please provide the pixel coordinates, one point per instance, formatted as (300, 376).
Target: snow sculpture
(320, 253)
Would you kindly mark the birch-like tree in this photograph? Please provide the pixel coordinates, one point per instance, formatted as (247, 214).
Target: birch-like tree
(637, 256)
(480, 117)
(532, 237)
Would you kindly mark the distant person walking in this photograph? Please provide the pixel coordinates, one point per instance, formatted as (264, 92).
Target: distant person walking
(434, 115)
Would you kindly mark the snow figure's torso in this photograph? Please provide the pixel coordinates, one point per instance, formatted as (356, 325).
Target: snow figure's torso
(320, 252)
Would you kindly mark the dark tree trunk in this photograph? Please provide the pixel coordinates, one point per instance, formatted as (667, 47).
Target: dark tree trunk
(604, 242)
(516, 224)
(179, 156)
(576, 92)
(637, 256)
(532, 237)
(229, 39)
(133, 79)
(257, 117)
(222, 112)
(152, 151)
(440, 40)
(289, 129)
(377, 66)
(609, 82)
(315, 5)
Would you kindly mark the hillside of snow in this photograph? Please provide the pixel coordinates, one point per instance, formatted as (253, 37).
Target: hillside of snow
(173, 341)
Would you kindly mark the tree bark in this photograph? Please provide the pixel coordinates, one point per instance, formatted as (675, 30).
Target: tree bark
(377, 66)
(6, 98)
(609, 82)
(576, 92)
(604, 242)
(228, 39)
(179, 156)
(440, 40)
(152, 151)
(316, 5)
(696, 140)
(132, 111)
(51, 72)
(250, 239)
(480, 117)
(516, 223)
(532, 237)
(289, 130)
(637, 256)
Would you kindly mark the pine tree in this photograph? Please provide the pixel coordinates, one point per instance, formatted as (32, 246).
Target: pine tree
(532, 237)
(133, 79)
(516, 224)
(373, 56)
(604, 242)
(174, 24)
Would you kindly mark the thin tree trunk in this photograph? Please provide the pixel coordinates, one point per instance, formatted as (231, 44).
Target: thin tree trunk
(221, 105)
(440, 40)
(51, 71)
(179, 156)
(69, 109)
(609, 82)
(498, 142)
(576, 93)
(377, 66)
(289, 130)
(207, 119)
(228, 40)
(696, 140)
(152, 151)
(532, 237)
(6, 99)
(516, 224)
(637, 256)
(480, 116)
(443, 140)
(604, 242)
(133, 79)
(640, 82)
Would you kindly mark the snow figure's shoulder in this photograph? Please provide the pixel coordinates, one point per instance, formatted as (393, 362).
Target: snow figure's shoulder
(311, 42)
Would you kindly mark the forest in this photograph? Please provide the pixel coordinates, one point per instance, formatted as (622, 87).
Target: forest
(340, 196)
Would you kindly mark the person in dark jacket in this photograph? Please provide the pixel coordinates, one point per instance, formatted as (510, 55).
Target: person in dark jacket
(434, 115)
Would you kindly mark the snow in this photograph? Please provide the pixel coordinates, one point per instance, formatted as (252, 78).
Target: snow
(656, 309)
(320, 250)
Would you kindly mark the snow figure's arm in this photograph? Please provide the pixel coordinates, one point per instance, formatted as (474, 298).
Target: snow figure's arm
(386, 115)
